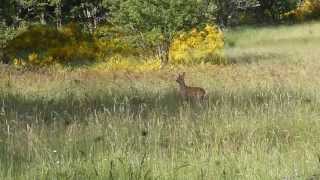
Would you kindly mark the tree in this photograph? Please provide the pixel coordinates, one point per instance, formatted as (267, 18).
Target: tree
(7, 11)
(162, 17)
(57, 4)
(274, 8)
(225, 9)
(32, 10)
(89, 13)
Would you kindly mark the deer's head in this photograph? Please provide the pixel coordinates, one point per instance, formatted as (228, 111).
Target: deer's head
(180, 78)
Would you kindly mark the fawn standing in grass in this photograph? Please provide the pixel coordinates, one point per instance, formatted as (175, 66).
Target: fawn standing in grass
(190, 93)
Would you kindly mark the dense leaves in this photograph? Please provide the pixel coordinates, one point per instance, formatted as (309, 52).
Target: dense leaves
(166, 15)
(274, 9)
(165, 18)
(139, 27)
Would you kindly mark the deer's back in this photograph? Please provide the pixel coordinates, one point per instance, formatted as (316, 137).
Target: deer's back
(195, 92)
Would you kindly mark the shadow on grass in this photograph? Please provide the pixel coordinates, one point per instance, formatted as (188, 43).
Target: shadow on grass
(70, 107)
(137, 104)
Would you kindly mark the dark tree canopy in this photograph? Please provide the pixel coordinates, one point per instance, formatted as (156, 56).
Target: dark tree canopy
(274, 8)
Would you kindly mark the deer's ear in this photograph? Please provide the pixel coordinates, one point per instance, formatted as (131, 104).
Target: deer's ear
(183, 74)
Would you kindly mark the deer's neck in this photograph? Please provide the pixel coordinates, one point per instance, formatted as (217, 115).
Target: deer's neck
(183, 86)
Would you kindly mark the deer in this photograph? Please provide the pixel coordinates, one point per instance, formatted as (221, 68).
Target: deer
(189, 93)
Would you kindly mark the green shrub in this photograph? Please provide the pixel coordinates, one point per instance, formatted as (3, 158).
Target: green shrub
(115, 40)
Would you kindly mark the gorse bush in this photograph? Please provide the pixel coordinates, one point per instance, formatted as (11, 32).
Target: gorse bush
(42, 45)
(309, 9)
(188, 48)
(129, 63)
(198, 46)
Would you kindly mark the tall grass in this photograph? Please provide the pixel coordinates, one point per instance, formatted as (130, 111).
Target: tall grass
(261, 120)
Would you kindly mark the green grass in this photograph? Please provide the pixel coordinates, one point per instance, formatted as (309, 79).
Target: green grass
(261, 120)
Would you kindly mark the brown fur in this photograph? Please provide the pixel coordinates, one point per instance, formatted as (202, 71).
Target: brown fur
(187, 92)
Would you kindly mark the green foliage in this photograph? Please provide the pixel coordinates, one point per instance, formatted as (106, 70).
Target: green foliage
(274, 9)
(7, 11)
(167, 16)
(6, 34)
(120, 41)
(223, 11)
(163, 18)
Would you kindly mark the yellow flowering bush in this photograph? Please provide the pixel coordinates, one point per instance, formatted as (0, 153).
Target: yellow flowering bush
(43, 45)
(119, 63)
(19, 62)
(151, 65)
(33, 60)
(133, 64)
(309, 9)
(197, 46)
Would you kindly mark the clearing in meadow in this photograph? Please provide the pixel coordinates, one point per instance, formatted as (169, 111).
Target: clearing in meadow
(262, 121)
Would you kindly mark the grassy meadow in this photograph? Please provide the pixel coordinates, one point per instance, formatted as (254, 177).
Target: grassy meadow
(261, 121)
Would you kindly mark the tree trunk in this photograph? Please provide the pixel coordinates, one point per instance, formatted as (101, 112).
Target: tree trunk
(226, 9)
(95, 22)
(42, 18)
(163, 52)
(58, 13)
